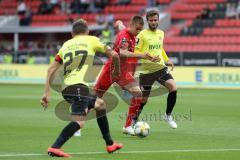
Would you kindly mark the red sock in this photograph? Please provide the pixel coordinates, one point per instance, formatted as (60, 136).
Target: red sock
(132, 111)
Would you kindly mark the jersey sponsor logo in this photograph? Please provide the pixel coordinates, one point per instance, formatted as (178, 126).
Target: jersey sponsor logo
(155, 46)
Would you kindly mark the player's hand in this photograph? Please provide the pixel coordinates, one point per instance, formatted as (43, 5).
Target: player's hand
(170, 63)
(151, 58)
(156, 59)
(44, 101)
(147, 56)
(115, 73)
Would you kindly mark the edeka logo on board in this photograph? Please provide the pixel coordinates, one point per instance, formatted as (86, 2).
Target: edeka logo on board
(232, 78)
(8, 73)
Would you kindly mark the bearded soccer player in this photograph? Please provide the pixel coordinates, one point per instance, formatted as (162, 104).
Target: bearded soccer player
(151, 40)
(124, 45)
(72, 56)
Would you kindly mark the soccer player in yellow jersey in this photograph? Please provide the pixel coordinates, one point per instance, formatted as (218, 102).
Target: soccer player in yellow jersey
(72, 56)
(151, 41)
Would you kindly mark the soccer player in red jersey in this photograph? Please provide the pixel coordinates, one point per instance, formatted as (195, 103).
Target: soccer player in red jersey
(124, 46)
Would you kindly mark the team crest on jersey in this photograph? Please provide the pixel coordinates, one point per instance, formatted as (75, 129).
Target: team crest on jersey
(124, 40)
(160, 38)
(124, 43)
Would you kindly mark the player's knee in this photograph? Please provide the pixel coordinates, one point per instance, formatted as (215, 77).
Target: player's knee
(172, 88)
(100, 104)
(81, 123)
(136, 92)
(79, 119)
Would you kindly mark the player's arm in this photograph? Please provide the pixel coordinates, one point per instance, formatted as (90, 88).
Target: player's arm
(110, 53)
(115, 59)
(167, 61)
(127, 53)
(51, 70)
(123, 46)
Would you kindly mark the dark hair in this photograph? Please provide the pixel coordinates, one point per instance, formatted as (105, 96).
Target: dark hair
(137, 20)
(152, 13)
(79, 26)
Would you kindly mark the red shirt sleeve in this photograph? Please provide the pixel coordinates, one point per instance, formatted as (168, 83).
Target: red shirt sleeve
(58, 59)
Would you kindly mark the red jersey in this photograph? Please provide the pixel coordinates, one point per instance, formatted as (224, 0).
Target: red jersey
(125, 40)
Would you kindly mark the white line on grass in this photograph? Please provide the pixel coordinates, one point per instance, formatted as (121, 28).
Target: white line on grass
(126, 152)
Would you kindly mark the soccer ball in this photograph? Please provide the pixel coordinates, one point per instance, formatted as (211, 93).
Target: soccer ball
(141, 129)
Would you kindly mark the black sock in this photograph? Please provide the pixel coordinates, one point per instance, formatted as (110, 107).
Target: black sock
(66, 133)
(104, 127)
(139, 111)
(171, 100)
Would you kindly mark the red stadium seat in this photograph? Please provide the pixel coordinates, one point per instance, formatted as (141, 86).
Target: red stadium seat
(204, 1)
(164, 1)
(191, 40)
(139, 2)
(221, 31)
(184, 15)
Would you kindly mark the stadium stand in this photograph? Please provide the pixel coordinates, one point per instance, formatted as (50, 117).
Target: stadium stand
(204, 31)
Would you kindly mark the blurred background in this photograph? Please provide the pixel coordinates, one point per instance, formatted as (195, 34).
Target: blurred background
(202, 37)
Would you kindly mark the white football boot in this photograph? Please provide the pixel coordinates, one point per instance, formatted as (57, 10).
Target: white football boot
(170, 121)
(128, 130)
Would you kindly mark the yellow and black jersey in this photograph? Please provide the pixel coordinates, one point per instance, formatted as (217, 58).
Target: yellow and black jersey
(151, 42)
(76, 54)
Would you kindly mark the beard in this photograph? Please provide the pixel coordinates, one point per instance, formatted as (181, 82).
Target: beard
(153, 27)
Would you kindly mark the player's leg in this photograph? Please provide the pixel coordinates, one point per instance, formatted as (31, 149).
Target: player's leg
(136, 92)
(102, 121)
(137, 102)
(167, 80)
(77, 122)
(103, 83)
(67, 132)
(79, 107)
(146, 90)
(145, 81)
(171, 101)
(172, 96)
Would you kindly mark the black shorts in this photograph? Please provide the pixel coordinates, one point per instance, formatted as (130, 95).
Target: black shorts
(147, 80)
(79, 97)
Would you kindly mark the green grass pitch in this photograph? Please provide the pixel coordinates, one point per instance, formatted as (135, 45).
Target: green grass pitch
(208, 128)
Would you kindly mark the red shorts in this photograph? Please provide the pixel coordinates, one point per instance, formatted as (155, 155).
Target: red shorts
(105, 81)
